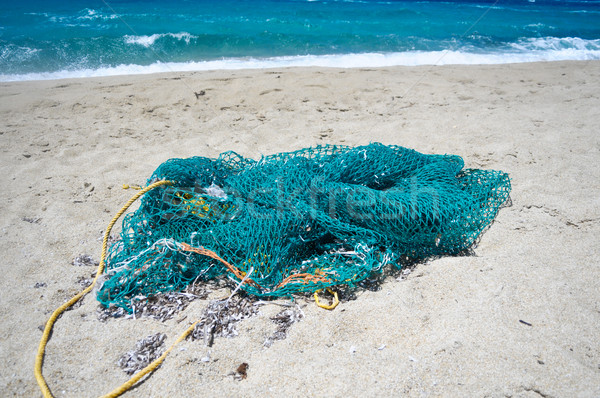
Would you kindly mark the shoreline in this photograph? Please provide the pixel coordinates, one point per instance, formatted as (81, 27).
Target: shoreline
(518, 317)
(303, 67)
(367, 60)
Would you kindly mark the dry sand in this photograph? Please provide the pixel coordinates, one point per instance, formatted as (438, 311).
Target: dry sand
(451, 328)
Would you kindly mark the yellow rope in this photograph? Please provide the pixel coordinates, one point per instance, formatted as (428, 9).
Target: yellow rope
(155, 364)
(39, 358)
(331, 306)
(127, 186)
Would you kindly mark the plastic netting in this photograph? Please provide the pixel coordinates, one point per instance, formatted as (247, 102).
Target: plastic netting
(299, 221)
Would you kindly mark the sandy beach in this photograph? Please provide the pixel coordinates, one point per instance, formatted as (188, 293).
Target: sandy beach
(519, 318)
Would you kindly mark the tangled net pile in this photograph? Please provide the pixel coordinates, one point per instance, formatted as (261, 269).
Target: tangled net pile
(299, 221)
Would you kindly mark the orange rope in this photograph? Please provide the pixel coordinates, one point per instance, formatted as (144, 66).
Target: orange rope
(211, 254)
(302, 278)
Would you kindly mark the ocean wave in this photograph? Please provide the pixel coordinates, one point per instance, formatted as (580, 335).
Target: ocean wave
(538, 26)
(37, 14)
(147, 41)
(12, 52)
(557, 44)
(85, 18)
(526, 50)
(91, 14)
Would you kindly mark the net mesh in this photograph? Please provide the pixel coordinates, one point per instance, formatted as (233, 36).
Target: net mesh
(298, 221)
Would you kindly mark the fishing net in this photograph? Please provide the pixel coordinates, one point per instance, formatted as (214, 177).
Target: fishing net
(299, 221)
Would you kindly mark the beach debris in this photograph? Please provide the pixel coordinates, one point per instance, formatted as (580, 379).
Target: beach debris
(381, 347)
(199, 93)
(408, 267)
(298, 222)
(221, 317)
(162, 306)
(31, 220)
(84, 260)
(111, 238)
(111, 312)
(40, 284)
(241, 372)
(84, 282)
(206, 358)
(284, 320)
(525, 323)
(146, 350)
(352, 350)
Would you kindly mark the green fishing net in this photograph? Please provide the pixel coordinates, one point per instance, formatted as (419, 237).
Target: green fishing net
(298, 221)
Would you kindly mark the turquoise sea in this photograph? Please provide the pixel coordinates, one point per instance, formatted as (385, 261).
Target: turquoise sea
(54, 39)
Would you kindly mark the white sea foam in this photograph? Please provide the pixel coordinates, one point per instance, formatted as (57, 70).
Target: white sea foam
(147, 41)
(90, 14)
(20, 53)
(537, 44)
(528, 50)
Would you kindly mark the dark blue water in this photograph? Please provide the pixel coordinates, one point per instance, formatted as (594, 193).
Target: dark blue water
(53, 39)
